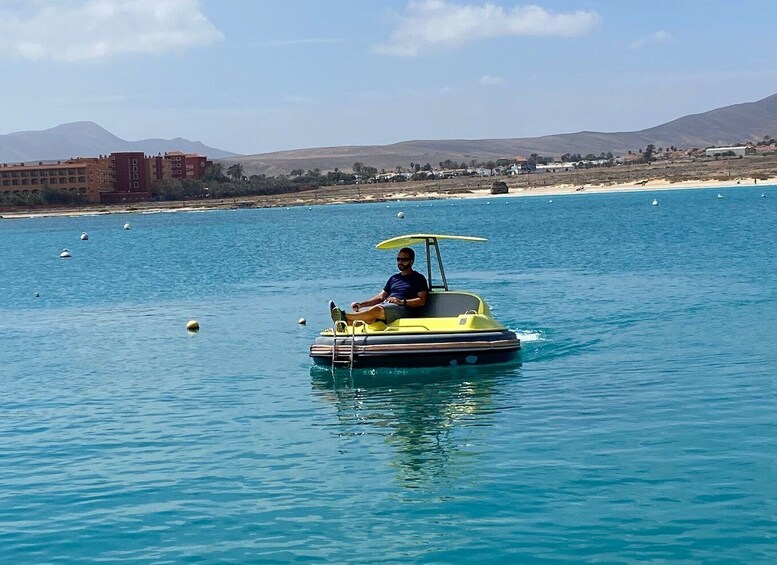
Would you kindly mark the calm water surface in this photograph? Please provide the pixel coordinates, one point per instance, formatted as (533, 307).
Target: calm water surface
(640, 424)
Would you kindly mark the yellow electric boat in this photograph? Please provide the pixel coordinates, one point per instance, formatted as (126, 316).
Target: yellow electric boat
(453, 328)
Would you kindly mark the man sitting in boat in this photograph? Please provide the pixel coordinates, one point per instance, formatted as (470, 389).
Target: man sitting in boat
(404, 293)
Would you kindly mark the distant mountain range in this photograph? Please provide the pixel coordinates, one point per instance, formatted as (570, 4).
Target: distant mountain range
(729, 125)
(87, 139)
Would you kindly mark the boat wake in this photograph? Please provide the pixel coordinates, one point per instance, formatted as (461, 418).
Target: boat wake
(529, 336)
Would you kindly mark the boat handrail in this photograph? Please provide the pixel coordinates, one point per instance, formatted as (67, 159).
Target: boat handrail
(394, 329)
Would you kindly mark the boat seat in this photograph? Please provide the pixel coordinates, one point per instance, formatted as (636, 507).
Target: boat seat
(448, 305)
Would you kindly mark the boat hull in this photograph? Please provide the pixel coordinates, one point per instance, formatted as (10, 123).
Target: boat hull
(430, 349)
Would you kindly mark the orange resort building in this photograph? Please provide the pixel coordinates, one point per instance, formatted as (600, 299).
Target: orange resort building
(125, 176)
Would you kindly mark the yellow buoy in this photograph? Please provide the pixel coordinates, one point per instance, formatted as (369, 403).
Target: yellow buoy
(193, 326)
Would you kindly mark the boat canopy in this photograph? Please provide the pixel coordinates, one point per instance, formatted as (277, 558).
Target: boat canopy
(430, 241)
(416, 238)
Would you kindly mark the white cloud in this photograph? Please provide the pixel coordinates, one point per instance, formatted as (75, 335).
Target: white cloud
(80, 30)
(489, 80)
(439, 24)
(657, 37)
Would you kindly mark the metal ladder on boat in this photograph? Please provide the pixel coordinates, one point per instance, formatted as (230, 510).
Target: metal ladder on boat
(352, 353)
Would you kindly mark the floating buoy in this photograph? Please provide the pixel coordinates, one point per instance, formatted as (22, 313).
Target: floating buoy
(720, 195)
(65, 253)
(193, 326)
(37, 295)
(400, 215)
(763, 195)
(84, 236)
(550, 200)
(302, 321)
(655, 202)
(127, 226)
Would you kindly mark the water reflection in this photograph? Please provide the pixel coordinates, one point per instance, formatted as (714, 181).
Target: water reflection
(432, 418)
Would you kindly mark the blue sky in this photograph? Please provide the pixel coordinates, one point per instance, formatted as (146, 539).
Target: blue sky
(254, 76)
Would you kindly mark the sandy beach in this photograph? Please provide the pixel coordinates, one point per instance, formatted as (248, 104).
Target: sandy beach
(564, 189)
(446, 189)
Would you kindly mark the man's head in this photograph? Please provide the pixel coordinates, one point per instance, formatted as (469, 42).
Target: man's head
(405, 259)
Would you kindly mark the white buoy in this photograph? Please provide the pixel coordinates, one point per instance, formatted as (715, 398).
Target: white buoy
(720, 195)
(193, 326)
(550, 200)
(763, 195)
(65, 253)
(84, 236)
(302, 321)
(37, 295)
(400, 215)
(655, 202)
(127, 226)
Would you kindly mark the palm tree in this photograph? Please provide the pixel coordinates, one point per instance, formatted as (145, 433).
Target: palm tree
(215, 171)
(235, 171)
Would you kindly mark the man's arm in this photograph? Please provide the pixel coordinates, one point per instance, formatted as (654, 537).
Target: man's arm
(377, 299)
(417, 302)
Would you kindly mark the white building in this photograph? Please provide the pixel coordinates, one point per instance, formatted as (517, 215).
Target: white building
(555, 167)
(738, 151)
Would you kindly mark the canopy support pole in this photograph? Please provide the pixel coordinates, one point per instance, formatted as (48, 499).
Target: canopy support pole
(432, 241)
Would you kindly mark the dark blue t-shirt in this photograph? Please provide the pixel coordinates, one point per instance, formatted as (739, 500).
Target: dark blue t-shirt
(406, 287)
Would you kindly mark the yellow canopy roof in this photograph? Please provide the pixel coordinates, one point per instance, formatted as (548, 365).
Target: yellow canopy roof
(413, 239)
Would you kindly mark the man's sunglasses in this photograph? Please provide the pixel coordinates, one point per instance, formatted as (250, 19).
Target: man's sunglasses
(404, 259)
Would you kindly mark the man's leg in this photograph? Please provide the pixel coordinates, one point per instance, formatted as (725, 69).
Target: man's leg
(368, 316)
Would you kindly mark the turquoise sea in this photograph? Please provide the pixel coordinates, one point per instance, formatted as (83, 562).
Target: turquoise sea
(639, 425)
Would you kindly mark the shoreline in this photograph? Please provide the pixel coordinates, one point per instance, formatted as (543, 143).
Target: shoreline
(567, 189)
(313, 199)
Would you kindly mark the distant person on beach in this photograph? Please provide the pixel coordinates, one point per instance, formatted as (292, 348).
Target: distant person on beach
(404, 293)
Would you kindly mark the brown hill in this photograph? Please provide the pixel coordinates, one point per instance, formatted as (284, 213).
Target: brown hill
(87, 139)
(728, 125)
